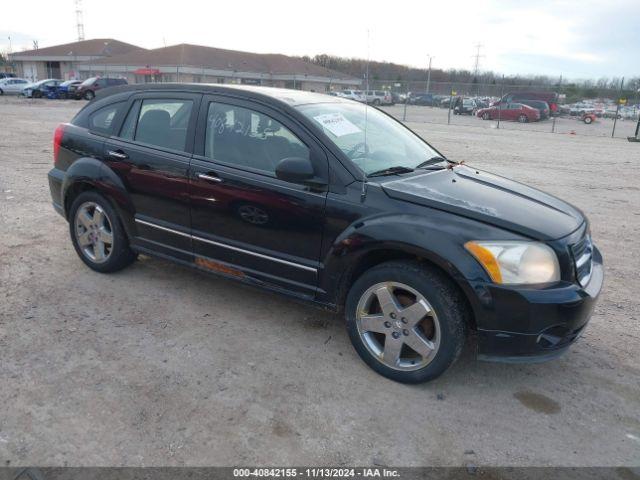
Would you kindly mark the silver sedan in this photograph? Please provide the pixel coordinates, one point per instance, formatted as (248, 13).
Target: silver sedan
(12, 86)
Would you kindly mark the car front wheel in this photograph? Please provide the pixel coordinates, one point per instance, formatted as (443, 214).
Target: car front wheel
(89, 95)
(407, 321)
(98, 235)
(486, 116)
(523, 119)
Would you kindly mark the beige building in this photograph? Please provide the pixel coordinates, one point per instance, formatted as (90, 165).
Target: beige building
(62, 61)
(195, 63)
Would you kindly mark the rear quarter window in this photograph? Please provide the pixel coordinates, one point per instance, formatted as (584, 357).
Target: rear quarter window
(102, 120)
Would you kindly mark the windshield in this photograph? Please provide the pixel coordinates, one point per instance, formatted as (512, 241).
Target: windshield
(386, 144)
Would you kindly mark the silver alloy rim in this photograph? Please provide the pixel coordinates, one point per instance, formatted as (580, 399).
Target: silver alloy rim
(93, 232)
(398, 326)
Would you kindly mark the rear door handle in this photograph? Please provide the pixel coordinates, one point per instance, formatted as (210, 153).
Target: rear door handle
(210, 178)
(119, 154)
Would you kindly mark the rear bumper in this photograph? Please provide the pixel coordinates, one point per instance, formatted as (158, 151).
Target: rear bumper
(543, 324)
(56, 178)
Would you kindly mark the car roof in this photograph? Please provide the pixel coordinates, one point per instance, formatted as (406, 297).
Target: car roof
(281, 95)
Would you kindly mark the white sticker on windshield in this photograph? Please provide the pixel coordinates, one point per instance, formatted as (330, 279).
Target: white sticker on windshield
(337, 124)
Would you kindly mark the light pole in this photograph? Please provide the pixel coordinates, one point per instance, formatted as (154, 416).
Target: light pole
(429, 73)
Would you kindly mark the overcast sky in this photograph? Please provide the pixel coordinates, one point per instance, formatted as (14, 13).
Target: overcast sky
(578, 39)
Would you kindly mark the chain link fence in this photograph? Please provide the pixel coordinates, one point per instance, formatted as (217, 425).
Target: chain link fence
(611, 110)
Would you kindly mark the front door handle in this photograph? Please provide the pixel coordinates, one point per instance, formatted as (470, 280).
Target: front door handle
(210, 178)
(119, 154)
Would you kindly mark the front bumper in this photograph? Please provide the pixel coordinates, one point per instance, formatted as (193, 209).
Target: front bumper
(540, 323)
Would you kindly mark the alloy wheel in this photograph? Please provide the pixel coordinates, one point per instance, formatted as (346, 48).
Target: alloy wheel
(398, 326)
(94, 233)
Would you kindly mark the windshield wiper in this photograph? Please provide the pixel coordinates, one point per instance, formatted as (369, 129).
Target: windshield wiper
(433, 160)
(390, 171)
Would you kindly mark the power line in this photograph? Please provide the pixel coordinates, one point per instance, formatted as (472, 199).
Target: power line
(79, 22)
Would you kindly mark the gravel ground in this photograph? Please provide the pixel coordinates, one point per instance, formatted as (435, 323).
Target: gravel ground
(161, 365)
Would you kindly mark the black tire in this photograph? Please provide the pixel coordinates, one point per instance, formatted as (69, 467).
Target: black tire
(1, 92)
(587, 120)
(120, 255)
(89, 95)
(36, 94)
(440, 292)
(376, 102)
(523, 118)
(486, 116)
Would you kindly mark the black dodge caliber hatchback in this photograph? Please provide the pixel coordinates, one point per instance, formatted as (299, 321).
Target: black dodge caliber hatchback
(333, 202)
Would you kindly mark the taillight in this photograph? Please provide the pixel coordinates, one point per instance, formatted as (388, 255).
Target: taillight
(57, 140)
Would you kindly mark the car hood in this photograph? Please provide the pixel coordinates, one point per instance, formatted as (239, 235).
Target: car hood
(491, 199)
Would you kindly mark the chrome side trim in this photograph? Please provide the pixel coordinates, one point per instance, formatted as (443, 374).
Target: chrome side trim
(230, 247)
(159, 227)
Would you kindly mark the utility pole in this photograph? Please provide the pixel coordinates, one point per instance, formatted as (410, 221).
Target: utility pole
(79, 22)
(429, 73)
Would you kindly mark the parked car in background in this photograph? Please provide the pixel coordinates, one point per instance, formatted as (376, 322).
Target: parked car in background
(516, 97)
(12, 85)
(41, 88)
(510, 111)
(464, 106)
(90, 86)
(425, 99)
(415, 249)
(357, 95)
(541, 106)
(7, 75)
(577, 109)
(378, 97)
(68, 89)
(482, 102)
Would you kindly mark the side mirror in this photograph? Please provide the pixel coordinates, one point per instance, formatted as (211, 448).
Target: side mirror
(297, 170)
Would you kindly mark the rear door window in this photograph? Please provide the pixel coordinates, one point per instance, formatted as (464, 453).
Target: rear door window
(161, 123)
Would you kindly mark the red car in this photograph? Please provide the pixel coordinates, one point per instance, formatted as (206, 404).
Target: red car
(517, 97)
(510, 111)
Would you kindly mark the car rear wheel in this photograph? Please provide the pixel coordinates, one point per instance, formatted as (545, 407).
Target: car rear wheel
(406, 321)
(587, 120)
(88, 95)
(523, 118)
(486, 116)
(36, 94)
(97, 234)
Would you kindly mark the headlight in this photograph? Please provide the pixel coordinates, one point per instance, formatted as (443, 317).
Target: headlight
(511, 262)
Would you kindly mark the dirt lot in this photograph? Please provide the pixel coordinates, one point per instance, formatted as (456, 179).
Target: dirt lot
(160, 365)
